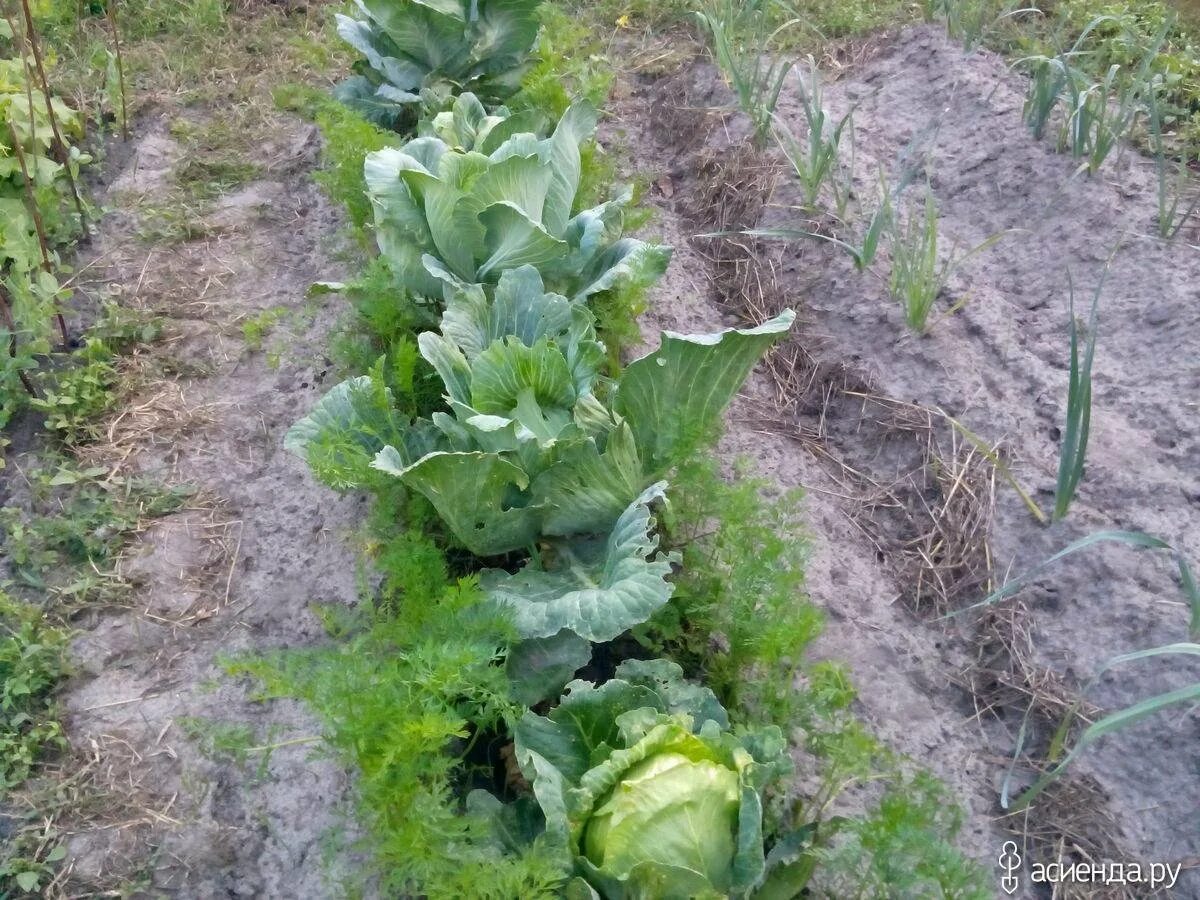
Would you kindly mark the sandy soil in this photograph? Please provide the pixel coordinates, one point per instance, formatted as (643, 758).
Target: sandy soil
(236, 570)
(999, 365)
(239, 568)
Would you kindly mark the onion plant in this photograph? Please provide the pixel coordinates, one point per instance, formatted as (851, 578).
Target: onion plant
(917, 278)
(968, 20)
(1050, 76)
(816, 160)
(1100, 114)
(1058, 756)
(741, 46)
(1073, 452)
(1174, 210)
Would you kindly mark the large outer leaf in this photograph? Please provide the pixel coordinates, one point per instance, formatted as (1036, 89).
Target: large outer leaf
(360, 95)
(402, 229)
(514, 239)
(504, 32)
(597, 598)
(586, 724)
(449, 363)
(538, 669)
(576, 125)
(350, 425)
(335, 413)
(457, 233)
(472, 492)
(582, 730)
(674, 396)
(628, 262)
(678, 695)
(432, 32)
(382, 54)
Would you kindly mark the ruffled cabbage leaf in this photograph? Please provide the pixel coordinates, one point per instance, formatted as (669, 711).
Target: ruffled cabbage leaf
(417, 54)
(449, 215)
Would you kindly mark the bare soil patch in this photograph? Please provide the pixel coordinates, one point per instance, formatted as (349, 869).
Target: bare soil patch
(190, 784)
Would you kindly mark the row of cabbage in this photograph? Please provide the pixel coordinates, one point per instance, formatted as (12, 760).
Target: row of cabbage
(546, 461)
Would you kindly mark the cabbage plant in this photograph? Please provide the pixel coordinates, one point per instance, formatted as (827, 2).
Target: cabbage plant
(541, 453)
(449, 215)
(646, 791)
(537, 441)
(418, 53)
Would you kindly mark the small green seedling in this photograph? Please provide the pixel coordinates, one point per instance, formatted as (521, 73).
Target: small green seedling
(1174, 209)
(740, 46)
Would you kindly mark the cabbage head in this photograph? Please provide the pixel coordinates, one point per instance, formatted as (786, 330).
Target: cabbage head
(647, 790)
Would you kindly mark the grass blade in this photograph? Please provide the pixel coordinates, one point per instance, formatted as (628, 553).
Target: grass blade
(1121, 719)
(1133, 538)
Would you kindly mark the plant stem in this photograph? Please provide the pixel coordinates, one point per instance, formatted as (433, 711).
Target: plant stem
(60, 146)
(38, 225)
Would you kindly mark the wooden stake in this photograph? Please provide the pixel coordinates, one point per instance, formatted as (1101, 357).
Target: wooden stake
(38, 225)
(110, 9)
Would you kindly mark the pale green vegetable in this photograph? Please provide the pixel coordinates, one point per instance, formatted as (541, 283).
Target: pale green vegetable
(645, 790)
(668, 806)
(468, 125)
(419, 53)
(453, 216)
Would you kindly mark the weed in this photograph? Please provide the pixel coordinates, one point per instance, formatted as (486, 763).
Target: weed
(86, 384)
(68, 551)
(821, 21)
(652, 15)
(204, 177)
(32, 661)
(971, 21)
(177, 220)
(1073, 451)
(74, 397)
(257, 327)
(29, 861)
(1171, 191)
